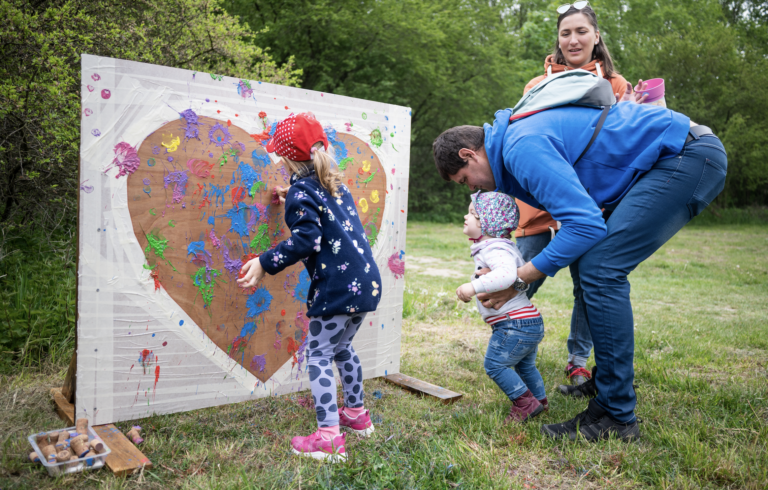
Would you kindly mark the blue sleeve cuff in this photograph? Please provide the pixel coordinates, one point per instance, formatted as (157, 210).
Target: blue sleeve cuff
(269, 266)
(543, 264)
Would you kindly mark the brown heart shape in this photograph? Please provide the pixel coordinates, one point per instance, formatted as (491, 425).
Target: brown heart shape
(200, 201)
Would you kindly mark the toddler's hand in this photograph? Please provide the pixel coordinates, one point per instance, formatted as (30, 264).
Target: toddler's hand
(465, 292)
(252, 272)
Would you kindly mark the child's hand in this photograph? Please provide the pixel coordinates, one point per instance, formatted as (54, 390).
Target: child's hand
(282, 192)
(253, 273)
(465, 292)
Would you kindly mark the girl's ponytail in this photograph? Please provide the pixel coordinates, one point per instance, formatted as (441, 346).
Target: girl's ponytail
(329, 177)
(323, 162)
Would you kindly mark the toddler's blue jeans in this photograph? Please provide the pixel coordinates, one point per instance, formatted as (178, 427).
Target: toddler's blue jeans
(514, 344)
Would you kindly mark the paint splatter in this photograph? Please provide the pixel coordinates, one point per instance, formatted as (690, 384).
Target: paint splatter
(192, 130)
(170, 143)
(233, 266)
(96, 77)
(126, 159)
(219, 135)
(260, 242)
(105, 94)
(214, 240)
(156, 278)
(90, 88)
(259, 302)
(156, 244)
(259, 362)
(86, 188)
(376, 139)
(199, 168)
(244, 89)
(249, 177)
(237, 346)
(339, 147)
(397, 264)
(260, 158)
(205, 279)
(179, 179)
(96, 132)
(87, 112)
(146, 359)
(301, 291)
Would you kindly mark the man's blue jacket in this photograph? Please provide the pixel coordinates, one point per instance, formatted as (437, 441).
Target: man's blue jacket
(533, 159)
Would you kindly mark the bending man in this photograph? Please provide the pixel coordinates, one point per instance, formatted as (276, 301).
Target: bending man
(650, 169)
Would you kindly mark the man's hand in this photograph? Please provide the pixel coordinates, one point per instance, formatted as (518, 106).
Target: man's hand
(528, 273)
(252, 274)
(465, 292)
(637, 97)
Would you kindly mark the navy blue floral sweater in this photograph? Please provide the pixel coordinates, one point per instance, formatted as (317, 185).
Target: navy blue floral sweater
(327, 235)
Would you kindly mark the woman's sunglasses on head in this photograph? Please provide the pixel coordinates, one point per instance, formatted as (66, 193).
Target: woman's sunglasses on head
(566, 6)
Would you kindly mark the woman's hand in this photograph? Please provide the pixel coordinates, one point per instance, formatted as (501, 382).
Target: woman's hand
(252, 272)
(637, 97)
(282, 192)
(465, 292)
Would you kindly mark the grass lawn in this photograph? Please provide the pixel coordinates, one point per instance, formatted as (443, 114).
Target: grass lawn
(701, 363)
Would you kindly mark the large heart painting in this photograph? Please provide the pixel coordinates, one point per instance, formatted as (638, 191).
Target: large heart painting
(201, 203)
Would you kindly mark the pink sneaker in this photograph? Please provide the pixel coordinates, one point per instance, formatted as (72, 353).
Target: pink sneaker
(361, 426)
(314, 446)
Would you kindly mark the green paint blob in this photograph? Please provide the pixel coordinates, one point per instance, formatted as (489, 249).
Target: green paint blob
(148, 267)
(365, 116)
(151, 162)
(156, 244)
(256, 187)
(370, 177)
(260, 242)
(205, 287)
(376, 139)
(170, 223)
(374, 233)
(152, 212)
(345, 162)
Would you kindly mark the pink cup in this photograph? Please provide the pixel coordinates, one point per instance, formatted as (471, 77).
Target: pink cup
(655, 90)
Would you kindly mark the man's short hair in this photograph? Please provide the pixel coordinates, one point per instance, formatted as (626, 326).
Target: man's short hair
(446, 148)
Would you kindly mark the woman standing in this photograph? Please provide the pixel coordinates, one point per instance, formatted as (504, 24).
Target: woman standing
(579, 45)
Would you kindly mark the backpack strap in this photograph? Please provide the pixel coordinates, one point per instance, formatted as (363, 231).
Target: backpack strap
(597, 131)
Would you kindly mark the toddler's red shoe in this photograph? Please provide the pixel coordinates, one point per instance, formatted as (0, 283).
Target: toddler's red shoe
(524, 408)
(314, 446)
(361, 425)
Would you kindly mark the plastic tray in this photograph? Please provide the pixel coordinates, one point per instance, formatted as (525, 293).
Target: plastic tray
(65, 467)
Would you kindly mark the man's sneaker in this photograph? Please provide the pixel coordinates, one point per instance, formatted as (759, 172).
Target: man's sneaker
(524, 408)
(361, 425)
(576, 374)
(593, 424)
(587, 388)
(314, 446)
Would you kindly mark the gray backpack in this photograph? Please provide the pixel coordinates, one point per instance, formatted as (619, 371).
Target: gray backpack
(574, 87)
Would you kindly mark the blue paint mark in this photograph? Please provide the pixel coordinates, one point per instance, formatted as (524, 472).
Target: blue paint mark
(302, 288)
(237, 220)
(260, 158)
(258, 302)
(181, 322)
(218, 194)
(247, 175)
(196, 247)
(340, 147)
(248, 329)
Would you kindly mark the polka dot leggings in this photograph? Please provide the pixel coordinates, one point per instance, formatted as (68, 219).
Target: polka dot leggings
(330, 339)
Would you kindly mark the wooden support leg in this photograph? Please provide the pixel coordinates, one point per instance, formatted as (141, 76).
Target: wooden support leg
(70, 381)
(422, 387)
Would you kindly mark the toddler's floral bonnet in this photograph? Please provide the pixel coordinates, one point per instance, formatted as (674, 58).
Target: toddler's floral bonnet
(498, 213)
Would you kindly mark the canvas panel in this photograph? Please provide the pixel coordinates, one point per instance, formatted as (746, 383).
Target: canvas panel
(176, 191)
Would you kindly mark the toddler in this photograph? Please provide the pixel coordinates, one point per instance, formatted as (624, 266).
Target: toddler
(517, 325)
(326, 233)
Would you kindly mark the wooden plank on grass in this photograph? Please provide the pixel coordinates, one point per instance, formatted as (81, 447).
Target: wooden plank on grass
(64, 409)
(422, 387)
(125, 457)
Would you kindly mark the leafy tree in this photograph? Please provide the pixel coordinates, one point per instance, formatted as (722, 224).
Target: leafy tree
(40, 84)
(453, 62)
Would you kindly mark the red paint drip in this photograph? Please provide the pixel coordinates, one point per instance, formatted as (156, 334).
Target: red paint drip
(157, 377)
(156, 278)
